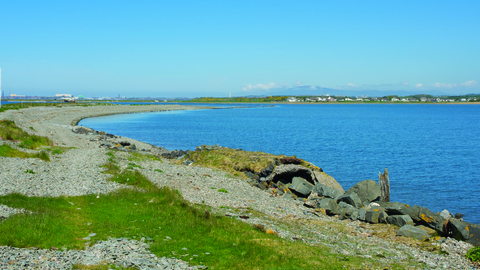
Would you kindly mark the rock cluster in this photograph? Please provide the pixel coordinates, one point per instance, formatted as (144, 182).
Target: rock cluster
(362, 202)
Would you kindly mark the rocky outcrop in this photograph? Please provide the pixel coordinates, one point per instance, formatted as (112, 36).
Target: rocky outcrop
(367, 191)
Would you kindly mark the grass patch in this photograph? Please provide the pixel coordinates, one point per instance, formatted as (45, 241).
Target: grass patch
(171, 222)
(474, 254)
(112, 168)
(30, 171)
(237, 162)
(223, 190)
(132, 166)
(11, 132)
(135, 156)
(158, 170)
(8, 151)
(134, 178)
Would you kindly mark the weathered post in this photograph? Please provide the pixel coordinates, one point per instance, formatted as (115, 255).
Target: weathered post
(384, 182)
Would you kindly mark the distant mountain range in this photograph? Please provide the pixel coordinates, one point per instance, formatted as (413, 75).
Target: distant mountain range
(309, 91)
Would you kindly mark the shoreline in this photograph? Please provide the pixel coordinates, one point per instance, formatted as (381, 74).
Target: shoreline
(195, 186)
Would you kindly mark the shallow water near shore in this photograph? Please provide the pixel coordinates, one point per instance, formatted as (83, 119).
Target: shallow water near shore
(431, 151)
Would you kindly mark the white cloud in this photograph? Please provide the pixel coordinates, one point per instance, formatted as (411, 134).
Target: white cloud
(418, 85)
(269, 86)
(444, 85)
(313, 87)
(469, 83)
(405, 83)
(351, 85)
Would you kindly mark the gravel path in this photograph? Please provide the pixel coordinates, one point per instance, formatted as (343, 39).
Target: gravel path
(77, 172)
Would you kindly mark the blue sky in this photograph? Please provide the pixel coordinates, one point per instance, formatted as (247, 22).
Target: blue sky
(213, 48)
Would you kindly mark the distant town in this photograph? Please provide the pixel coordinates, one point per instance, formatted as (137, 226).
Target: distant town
(287, 99)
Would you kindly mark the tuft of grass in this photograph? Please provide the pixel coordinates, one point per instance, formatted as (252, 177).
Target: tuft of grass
(223, 190)
(158, 170)
(473, 254)
(132, 165)
(30, 171)
(8, 151)
(111, 168)
(134, 178)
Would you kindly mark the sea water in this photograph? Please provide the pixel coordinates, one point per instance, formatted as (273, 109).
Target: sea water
(431, 151)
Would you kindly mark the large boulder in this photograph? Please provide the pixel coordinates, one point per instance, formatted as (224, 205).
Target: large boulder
(325, 191)
(347, 211)
(301, 187)
(417, 232)
(328, 181)
(464, 231)
(350, 198)
(400, 220)
(367, 190)
(376, 215)
(329, 205)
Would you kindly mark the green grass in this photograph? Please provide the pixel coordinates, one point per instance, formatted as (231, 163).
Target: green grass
(135, 156)
(30, 171)
(132, 165)
(158, 170)
(8, 151)
(10, 131)
(171, 222)
(474, 254)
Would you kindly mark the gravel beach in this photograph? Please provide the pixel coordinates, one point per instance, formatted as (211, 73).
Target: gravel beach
(78, 172)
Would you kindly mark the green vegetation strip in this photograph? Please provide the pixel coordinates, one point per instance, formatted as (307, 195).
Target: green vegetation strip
(8, 151)
(11, 132)
(160, 214)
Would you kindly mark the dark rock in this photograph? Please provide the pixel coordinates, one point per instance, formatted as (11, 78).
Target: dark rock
(347, 211)
(124, 143)
(350, 198)
(325, 191)
(367, 190)
(382, 217)
(459, 216)
(301, 187)
(415, 232)
(290, 160)
(249, 174)
(361, 214)
(464, 231)
(285, 174)
(133, 147)
(429, 218)
(400, 220)
(375, 215)
(267, 171)
(329, 205)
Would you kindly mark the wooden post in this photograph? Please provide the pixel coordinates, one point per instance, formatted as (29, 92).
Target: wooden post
(384, 182)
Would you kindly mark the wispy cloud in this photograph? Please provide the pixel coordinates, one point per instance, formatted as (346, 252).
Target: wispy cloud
(418, 85)
(351, 85)
(250, 87)
(469, 83)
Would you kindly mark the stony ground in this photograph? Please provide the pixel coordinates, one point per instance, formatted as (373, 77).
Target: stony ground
(77, 172)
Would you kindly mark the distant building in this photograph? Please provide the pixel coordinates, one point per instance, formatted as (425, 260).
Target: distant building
(291, 99)
(63, 96)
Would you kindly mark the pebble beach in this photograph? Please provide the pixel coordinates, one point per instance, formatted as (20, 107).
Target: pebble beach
(77, 172)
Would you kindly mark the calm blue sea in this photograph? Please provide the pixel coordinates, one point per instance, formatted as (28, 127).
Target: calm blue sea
(431, 151)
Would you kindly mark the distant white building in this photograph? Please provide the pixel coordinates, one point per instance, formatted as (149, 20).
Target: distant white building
(291, 99)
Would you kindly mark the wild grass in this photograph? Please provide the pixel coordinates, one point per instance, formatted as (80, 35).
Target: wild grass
(160, 214)
(135, 156)
(8, 151)
(10, 131)
(235, 162)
